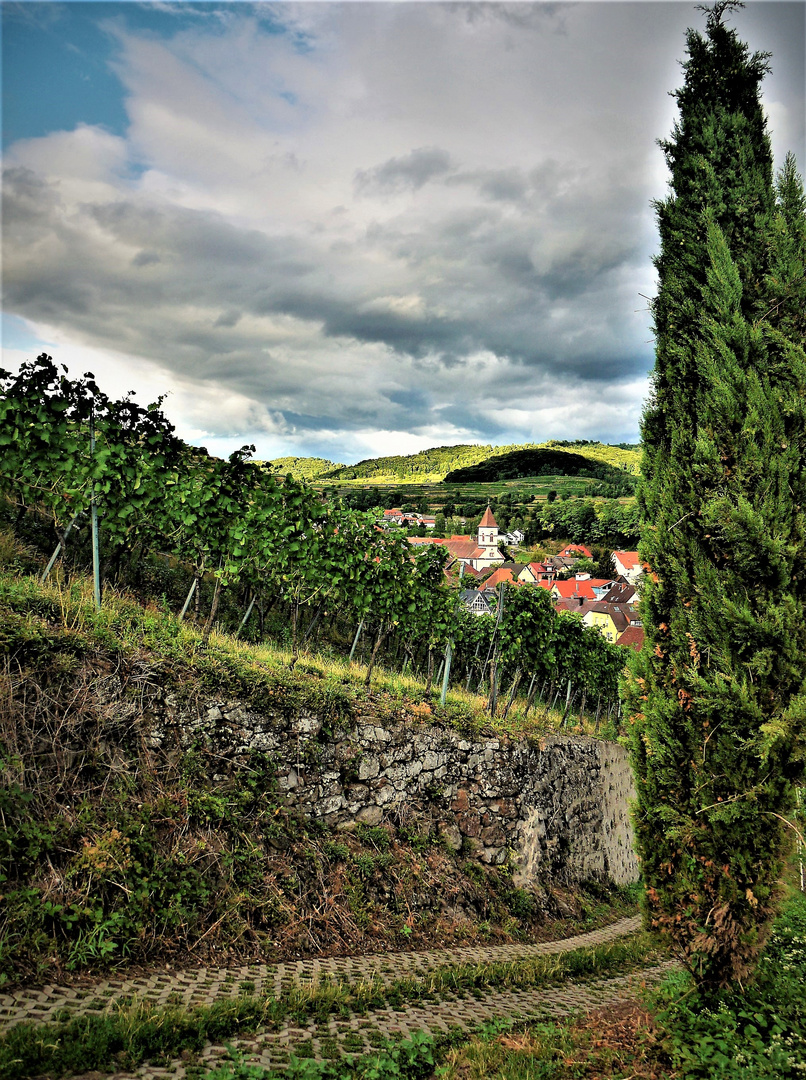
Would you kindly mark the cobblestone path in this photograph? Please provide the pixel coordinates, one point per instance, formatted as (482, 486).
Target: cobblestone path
(339, 1035)
(202, 986)
(361, 1034)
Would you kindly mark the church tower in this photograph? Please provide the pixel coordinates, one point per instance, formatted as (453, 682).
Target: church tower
(488, 531)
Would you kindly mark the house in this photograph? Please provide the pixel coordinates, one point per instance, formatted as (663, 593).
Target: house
(514, 538)
(475, 600)
(620, 593)
(632, 638)
(561, 563)
(574, 587)
(534, 572)
(603, 587)
(611, 619)
(503, 573)
(627, 564)
(576, 551)
(577, 605)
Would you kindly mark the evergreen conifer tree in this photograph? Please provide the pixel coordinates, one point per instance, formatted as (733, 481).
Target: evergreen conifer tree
(718, 695)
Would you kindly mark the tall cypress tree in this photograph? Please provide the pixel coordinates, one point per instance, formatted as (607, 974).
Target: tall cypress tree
(718, 695)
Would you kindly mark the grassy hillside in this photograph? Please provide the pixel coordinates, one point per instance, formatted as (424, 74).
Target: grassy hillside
(303, 468)
(427, 466)
(438, 463)
(114, 850)
(624, 456)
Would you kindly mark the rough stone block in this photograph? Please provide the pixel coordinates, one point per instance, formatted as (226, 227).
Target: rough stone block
(469, 823)
(368, 767)
(451, 835)
(370, 815)
(492, 836)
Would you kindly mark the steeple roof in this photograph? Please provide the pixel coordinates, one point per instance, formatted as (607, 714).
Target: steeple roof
(488, 521)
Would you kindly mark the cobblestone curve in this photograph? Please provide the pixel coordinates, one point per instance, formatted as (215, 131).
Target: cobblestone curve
(361, 1034)
(203, 986)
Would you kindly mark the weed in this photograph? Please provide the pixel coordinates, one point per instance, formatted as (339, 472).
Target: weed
(757, 1032)
(113, 850)
(377, 836)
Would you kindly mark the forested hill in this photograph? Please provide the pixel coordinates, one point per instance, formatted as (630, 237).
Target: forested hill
(545, 461)
(447, 462)
(427, 465)
(303, 468)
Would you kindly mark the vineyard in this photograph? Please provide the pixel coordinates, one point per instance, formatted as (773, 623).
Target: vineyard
(108, 482)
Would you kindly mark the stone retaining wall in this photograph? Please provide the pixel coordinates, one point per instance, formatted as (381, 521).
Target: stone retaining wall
(557, 807)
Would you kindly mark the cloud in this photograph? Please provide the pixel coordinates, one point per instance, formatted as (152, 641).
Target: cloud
(359, 222)
(411, 171)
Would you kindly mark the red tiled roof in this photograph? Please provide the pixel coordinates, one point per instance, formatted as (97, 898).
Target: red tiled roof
(466, 549)
(628, 559)
(580, 549)
(567, 589)
(573, 605)
(488, 521)
(632, 638)
(460, 547)
(503, 573)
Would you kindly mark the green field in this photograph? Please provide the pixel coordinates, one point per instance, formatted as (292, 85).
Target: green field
(525, 490)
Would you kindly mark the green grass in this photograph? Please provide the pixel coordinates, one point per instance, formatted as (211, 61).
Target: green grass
(303, 468)
(59, 622)
(753, 1032)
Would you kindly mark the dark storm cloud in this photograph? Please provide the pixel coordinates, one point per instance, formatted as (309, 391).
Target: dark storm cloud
(491, 295)
(145, 258)
(412, 171)
(538, 187)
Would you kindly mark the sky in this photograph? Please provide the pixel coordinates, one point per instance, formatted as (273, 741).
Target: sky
(353, 229)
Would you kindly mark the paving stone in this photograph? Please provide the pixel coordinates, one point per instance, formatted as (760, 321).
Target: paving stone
(353, 1034)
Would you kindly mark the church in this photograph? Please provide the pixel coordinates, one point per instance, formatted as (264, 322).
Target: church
(481, 553)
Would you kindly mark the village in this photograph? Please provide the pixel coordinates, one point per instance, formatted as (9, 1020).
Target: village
(610, 605)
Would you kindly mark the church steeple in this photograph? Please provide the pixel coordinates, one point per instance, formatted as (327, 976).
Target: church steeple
(488, 530)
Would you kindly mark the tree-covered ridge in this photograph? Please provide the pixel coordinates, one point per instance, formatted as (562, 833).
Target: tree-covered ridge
(624, 456)
(440, 462)
(430, 464)
(302, 468)
(535, 462)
